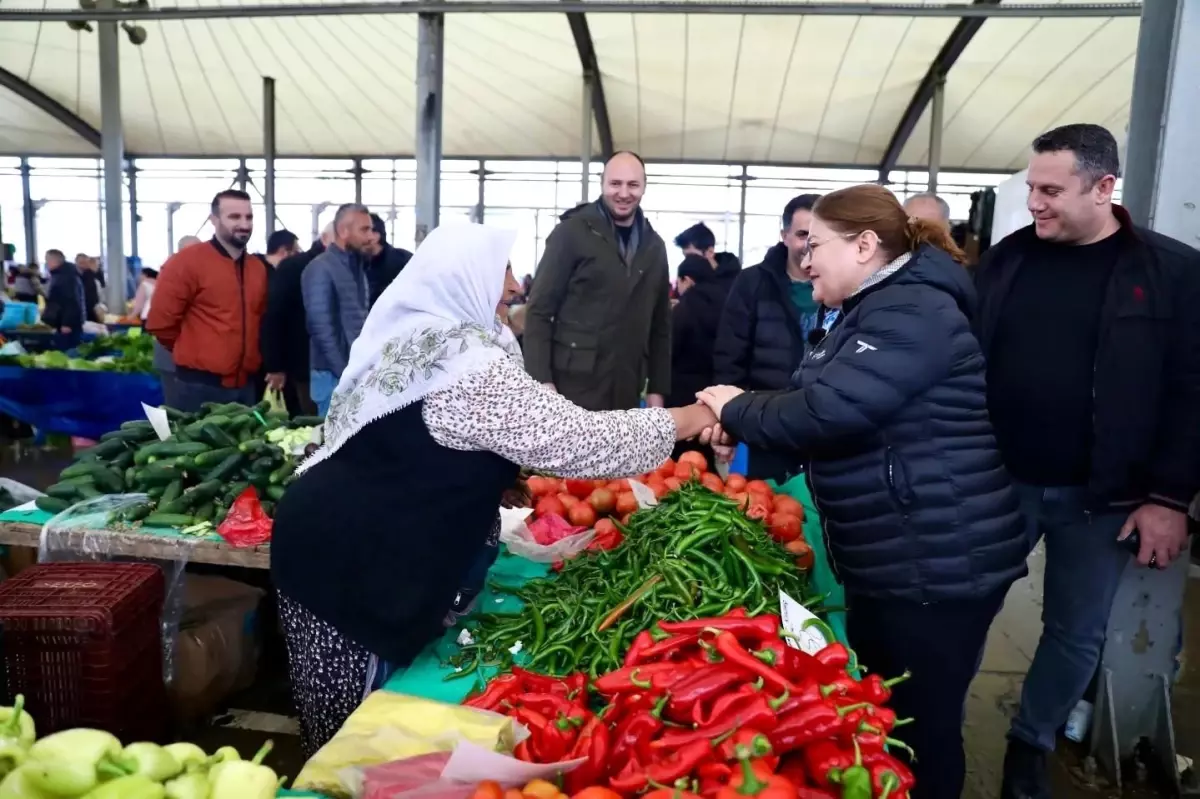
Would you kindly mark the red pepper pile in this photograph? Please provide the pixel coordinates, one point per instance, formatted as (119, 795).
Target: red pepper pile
(719, 707)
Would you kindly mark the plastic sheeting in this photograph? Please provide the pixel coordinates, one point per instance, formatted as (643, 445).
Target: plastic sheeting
(76, 403)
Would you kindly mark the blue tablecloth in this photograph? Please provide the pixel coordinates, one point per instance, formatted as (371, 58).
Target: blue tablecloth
(76, 403)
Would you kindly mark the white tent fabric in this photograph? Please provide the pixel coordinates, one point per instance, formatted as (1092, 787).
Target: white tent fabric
(818, 90)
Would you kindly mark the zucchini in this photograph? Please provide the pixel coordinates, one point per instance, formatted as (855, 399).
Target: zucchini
(308, 421)
(175, 415)
(138, 424)
(158, 474)
(283, 472)
(225, 468)
(139, 512)
(172, 491)
(211, 457)
(84, 468)
(256, 446)
(262, 467)
(51, 504)
(110, 481)
(89, 492)
(276, 492)
(217, 437)
(113, 434)
(219, 514)
(154, 492)
(64, 491)
(205, 512)
(162, 519)
(177, 505)
(268, 508)
(122, 461)
(107, 450)
(203, 491)
(169, 449)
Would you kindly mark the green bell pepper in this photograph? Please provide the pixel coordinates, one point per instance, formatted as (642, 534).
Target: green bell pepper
(16, 726)
(11, 756)
(193, 785)
(135, 786)
(244, 779)
(150, 760)
(17, 786)
(188, 755)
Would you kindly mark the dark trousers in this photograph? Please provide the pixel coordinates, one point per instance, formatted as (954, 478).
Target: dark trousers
(193, 390)
(170, 389)
(940, 644)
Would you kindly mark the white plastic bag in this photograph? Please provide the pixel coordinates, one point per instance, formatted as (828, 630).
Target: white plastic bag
(514, 533)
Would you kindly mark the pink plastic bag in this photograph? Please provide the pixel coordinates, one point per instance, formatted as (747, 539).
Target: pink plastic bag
(413, 777)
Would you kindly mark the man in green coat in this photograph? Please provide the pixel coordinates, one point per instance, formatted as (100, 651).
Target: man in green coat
(598, 322)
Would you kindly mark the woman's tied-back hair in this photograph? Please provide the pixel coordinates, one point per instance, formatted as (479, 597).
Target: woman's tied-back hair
(852, 210)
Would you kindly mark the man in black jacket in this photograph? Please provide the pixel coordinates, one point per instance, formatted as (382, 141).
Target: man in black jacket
(699, 240)
(283, 337)
(1091, 328)
(64, 309)
(768, 319)
(694, 321)
(386, 261)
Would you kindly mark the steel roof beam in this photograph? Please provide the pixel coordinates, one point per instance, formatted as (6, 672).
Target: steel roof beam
(958, 40)
(591, 73)
(56, 110)
(751, 7)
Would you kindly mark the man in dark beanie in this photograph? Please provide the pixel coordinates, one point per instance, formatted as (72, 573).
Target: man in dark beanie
(694, 322)
(386, 261)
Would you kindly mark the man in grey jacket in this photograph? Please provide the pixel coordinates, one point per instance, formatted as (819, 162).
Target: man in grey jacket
(337, 299)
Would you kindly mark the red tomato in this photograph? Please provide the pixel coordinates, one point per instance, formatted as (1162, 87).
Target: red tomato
(617, 486)
(712, 482)
(803, 552)
(784, 527)
(735, 482)
(759, 498)
(568, 501)
(660, 488)
(667, 469)
(626, 503)
(755, 511)
(697, 459)
(537, 486)
(607, 536)
(548, 505)
(579, 488)
(581, 515)
(673, 483)
(488, 789)
(685, 472)
(625, 519)
(602, 501)
(740, 497)
(760, 487)
(785, 504)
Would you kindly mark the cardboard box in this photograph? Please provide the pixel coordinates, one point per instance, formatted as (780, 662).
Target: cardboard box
(216, 648)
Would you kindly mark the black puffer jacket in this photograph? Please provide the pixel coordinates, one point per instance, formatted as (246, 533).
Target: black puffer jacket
(892, 419)
(760, 340)
(693, 331)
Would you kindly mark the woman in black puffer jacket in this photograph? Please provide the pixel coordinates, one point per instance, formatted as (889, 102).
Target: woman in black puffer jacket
(889, 413)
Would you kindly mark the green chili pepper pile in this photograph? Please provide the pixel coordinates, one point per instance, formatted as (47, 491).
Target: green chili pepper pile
(693, 555)
(92, 764)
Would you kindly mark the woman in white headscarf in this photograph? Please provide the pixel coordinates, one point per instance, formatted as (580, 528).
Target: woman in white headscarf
(427, 429)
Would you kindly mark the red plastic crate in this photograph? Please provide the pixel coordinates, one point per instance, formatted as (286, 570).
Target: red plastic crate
(82, 642)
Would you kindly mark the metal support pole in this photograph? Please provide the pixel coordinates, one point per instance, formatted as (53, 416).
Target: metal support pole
(29, 215)
(112, 147)
(132, 171)
(269, 154)
(936, 125)
(431, 30)
(171, 209)
(743, 179)
(585, 138)
(242, 175)
(357, 171)
(1139, 664)
(479, 203)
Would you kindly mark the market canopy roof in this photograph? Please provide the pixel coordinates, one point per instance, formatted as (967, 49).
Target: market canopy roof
(811, 89)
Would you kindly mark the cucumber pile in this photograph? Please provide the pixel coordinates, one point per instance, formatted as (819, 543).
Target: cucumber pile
(192, 477)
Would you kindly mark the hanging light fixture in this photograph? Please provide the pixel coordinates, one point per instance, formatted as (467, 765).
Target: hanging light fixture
(136, 33)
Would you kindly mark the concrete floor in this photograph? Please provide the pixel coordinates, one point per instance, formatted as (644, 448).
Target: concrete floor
(263, 711)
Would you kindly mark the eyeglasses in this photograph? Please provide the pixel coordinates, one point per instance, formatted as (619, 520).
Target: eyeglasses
(807, 252)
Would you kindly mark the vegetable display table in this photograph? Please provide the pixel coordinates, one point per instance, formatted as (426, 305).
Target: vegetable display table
(24, 529)
(76, 403)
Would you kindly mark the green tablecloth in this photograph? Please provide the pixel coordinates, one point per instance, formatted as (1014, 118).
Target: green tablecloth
(426, 676)
(40, 517)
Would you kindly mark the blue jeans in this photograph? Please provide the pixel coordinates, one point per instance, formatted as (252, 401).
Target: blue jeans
(1084, 564)
(320, 387)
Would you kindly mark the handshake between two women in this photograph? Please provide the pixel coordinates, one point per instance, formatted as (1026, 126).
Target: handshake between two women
(703, 420)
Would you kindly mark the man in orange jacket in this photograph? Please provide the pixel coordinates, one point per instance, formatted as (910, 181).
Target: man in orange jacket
(208, 305)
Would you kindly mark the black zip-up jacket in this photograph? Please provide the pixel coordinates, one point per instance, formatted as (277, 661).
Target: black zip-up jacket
(1146, 385)
(284, 335)
(64, 299)
(759, 341)
(694, 321)
(890, 412)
